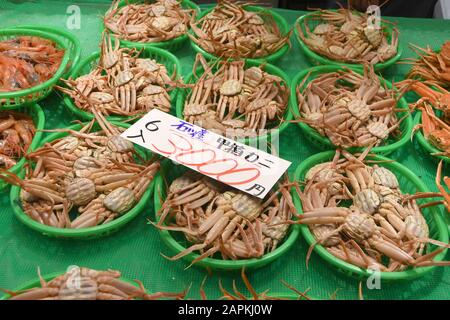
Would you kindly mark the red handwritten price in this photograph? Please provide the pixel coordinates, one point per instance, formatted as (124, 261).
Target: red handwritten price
(205, 161)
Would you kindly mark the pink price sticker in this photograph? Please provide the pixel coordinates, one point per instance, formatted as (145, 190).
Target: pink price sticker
(243, 167)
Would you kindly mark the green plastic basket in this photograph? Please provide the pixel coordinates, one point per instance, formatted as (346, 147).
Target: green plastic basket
(35, 283)
(85, 66)
(170, 45)
(322, 142)
(409, 183)
(317, 59)
(272, 135)
(63, 40)
(38, 116)
(427, 147)
(84, 233)
(178, 244)
(280, 21)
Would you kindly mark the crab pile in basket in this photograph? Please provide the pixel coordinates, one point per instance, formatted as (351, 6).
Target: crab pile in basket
(360, 215)
(160, 21)
(236, 99)
(348, 36)
(216, 218)
(232, 31)
(95, 172)
(351, 109)
(122, 83)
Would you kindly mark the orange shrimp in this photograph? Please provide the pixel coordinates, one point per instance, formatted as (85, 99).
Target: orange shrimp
(27, 61)
(37, 42)
(16, 134)
(11, 145)
(43, 70)
(7, 123)
(13, 78)
(25, 131)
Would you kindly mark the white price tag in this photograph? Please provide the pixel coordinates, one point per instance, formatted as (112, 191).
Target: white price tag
(242, 167)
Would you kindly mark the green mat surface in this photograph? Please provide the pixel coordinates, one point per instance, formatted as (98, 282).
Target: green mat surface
(135, 250)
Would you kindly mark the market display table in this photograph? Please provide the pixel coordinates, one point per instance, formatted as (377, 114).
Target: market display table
(135, 249)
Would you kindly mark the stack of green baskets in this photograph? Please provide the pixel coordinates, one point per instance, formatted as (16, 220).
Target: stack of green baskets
(272, 135)
(280, 21)
(317, 59)
(177, 243)
(409, 183)
(86, 65)
(83, 233)
(390, 145)
(170, 45)
(63, 40)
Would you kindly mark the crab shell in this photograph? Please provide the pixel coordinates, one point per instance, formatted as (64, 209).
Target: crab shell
(367, 201)
(101, 97)
(387, 193)
(275, 229)
(373, 35)
(80, 191)
(253, 76)
(320, 172)
(255, 19)
(124, 77)
(152, 89)
(416, 227)
(359, 226)
(83, 288)
(163, 23)
(359, 109)
(119, 200)
(118, 144)
(385, 177)
(339, 51)
(68, 143)
(246, 206)
(148, 65)
(158, 10)
(84, 164)
(322, 231)
(230, 88)
(180, 183)
(323, 172)
(348, 27)
(135, 28)
(378, 129)
(102, 154)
